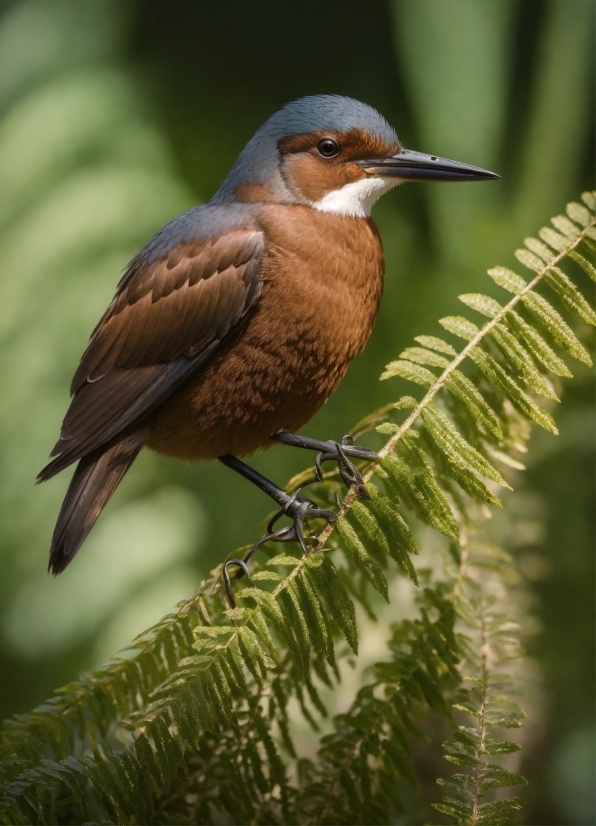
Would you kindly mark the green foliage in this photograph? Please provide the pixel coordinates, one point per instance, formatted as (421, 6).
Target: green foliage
(488, 641)
(194, 722)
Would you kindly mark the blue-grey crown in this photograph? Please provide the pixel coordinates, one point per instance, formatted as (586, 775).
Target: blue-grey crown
(258, 163)
(321, 112)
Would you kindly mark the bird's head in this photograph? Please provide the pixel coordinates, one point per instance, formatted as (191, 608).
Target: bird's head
(335, 154)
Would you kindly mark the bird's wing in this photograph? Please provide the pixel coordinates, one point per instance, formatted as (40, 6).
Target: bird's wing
(167, 318)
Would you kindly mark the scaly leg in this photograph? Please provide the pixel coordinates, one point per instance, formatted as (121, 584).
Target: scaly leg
(292, 505)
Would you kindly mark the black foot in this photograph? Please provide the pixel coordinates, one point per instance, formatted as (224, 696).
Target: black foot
(333, 451)
(299, 510)
(296, 508)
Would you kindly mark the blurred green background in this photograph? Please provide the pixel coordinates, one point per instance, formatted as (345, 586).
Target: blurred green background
(116, 115)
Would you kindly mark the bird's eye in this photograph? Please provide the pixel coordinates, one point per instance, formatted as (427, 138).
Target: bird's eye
(328, 147)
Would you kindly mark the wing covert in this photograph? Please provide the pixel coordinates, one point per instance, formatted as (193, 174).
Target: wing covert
(166, 319)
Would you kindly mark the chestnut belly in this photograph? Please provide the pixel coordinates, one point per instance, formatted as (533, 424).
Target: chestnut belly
(247, 392)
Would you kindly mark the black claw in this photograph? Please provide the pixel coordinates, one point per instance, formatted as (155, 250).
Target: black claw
(241, 563)
(350, 475)
(299, 510)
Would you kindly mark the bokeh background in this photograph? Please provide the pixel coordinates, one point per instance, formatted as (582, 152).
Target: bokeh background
(116, 115)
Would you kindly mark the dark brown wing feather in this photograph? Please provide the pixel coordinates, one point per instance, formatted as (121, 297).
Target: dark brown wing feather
(164, 322)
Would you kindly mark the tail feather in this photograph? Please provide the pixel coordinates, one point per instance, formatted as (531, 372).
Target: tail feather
(95, 479)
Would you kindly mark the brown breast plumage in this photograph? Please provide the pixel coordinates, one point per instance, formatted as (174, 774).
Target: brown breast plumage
(322, 283)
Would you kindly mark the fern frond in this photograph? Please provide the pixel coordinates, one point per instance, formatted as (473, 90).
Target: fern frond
(483, 696)
(194, 719)
(355, 778)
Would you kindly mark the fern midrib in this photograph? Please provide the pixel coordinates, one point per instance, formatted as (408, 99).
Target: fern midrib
(481, 720)
(390, 445)
(334, 781)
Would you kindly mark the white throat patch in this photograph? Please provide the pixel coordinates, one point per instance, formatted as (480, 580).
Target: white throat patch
(356, 198)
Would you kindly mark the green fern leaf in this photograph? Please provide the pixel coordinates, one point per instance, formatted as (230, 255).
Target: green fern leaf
(400, 538)
(371, 570)
(497, 376)
(529, 260)
(586, 266)
(316, 616)
(283, 559)
(471, 398)
(578, 213)
(259, 626)
(491, 746)
(435, 343)
(260, 576)
(217, 686)
(460, 326)
(496, 777)
(554, 239)
(454, 808)
(474, 486)
(341, 608)
(506, 385)
(147, 761)
(457, 384)
(234, 663)
(251, 655)
(413, 478)
(497, 812)
(483, 304)
(536, 344)
(521, 360)
(300, 624)
(168, 752)
(105, 789)
(409, 371)
(570, 296)
(541, 351)
(545, 313)
(276, 617)
(567, 227)
(541, 250)
(452, 443)
(368, 524)
(558, 328)
(139, 784)
(509, 280)
(276, 767)
(420, 355)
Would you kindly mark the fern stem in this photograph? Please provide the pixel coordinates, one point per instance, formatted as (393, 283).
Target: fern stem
(481, 720)
(331, 788)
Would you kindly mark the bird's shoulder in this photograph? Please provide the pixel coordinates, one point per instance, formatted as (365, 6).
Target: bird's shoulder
(188, 285)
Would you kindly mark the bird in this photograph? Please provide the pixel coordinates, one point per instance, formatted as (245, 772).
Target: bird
(238, 319)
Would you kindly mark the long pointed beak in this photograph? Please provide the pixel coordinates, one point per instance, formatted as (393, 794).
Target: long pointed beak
(416, 166)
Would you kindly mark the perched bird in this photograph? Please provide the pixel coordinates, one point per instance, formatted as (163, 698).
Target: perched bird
(237, 321)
